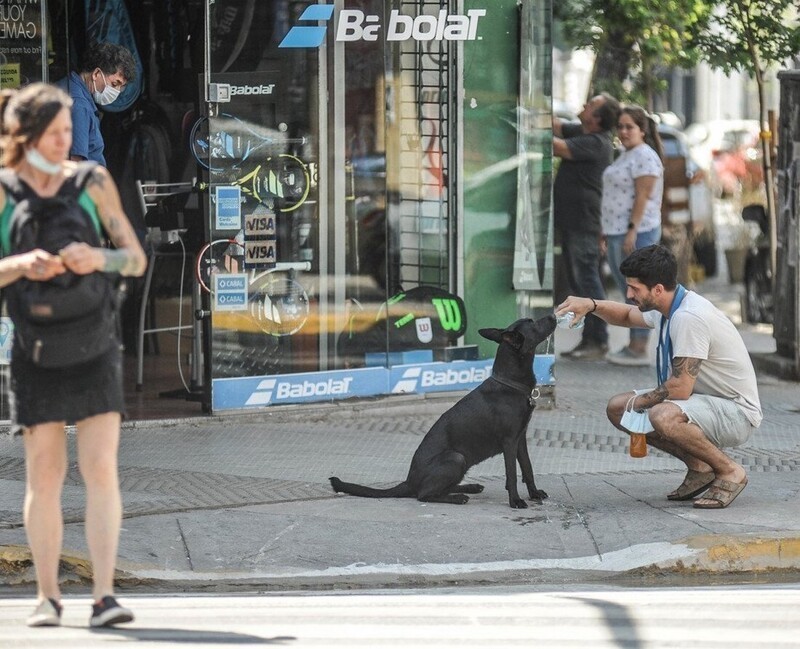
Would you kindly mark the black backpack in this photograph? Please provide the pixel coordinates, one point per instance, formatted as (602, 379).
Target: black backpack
(70, 319)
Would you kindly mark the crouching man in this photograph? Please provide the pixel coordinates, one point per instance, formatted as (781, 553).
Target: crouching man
(707, 395)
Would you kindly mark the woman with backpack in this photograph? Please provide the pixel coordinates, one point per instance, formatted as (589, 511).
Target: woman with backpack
(60, 289)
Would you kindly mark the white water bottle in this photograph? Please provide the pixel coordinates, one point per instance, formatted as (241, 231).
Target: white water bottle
(567, 321)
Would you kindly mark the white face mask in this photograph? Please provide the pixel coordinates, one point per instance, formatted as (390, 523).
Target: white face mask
(109, 94)
(635, 422)
(38, 161)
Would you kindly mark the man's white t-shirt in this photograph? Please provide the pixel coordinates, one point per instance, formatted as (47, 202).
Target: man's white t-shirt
(700, 330)
(619, 190)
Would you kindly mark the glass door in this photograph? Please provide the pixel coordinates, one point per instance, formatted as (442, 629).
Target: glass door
(257, 146)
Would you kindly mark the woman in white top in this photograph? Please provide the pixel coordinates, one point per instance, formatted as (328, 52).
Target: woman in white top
(631, 208)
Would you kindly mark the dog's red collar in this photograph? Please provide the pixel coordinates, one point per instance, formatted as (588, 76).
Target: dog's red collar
(532, 393)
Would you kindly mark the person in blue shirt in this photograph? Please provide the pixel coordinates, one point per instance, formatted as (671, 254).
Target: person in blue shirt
(105, 69)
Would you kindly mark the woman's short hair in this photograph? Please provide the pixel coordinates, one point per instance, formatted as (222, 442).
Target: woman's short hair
(24, 115)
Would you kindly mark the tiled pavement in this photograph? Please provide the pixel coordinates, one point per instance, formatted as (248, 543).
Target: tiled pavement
(246, 498)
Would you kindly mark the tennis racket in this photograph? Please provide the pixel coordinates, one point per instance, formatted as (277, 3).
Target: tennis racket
(278, 303)
(232, 143)
(282, 182)
(218, 256)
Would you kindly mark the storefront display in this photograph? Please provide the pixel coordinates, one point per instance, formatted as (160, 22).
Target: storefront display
(375, 181)
(398, 201)
(23, 42)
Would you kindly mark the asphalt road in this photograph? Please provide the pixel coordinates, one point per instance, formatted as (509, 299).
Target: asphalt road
(696, 618)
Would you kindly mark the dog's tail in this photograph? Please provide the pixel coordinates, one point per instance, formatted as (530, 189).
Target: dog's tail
(403, 490)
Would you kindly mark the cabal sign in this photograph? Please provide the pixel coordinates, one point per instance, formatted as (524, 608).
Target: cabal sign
(355, 25)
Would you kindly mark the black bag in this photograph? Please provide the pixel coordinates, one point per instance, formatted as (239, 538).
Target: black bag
(70, 319)
(425, 317)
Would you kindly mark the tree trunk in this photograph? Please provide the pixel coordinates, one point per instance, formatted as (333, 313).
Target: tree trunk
(612, 64)
(766, 159)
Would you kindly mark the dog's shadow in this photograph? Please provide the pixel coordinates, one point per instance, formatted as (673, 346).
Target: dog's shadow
(190, 636)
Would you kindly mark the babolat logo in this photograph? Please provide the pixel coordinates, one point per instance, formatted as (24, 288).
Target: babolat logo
(271, 390)
(355, 25)
(253, 90)
(418, 378)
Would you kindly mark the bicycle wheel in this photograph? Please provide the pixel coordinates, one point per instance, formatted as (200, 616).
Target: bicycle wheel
(279, 304)
(219, 256)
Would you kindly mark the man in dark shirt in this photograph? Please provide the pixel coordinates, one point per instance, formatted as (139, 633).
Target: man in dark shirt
(585, 150)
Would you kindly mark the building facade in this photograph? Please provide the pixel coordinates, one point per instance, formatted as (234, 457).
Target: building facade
(370, 184)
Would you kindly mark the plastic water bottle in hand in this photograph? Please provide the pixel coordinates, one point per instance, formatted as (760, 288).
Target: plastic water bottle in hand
(567, 321)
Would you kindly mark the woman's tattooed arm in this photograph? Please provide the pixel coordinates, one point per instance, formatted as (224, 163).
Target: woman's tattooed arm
(128, 258)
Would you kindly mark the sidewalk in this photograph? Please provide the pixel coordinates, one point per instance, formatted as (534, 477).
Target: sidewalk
(244, 501)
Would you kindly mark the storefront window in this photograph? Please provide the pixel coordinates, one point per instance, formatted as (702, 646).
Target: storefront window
(377, 187)
(23, 42)
(374, 181)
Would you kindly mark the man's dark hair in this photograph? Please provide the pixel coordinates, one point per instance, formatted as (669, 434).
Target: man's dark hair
(110, 58)
(652, 265)
(608, 112)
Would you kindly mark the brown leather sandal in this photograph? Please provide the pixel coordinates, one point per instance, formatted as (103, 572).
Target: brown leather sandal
(722, 493)
(695, 483)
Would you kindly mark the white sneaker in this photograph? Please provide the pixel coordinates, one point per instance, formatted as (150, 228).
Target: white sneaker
(627, 357)
(47, 613)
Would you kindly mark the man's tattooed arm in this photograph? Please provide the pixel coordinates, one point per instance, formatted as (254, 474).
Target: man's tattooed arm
(649, 399)
(684, 370)
(686, 366)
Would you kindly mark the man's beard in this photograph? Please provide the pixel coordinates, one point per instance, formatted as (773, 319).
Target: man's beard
(646, 305)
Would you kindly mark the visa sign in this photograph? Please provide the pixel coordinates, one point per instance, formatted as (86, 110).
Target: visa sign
(355, 25)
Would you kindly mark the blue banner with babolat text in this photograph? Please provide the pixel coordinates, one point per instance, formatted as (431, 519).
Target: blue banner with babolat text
(262, 391)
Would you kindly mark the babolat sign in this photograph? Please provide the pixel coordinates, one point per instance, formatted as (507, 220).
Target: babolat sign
(261, 391)
(355, 25)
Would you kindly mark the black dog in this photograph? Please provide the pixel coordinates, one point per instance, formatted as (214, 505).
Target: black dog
(491, 419)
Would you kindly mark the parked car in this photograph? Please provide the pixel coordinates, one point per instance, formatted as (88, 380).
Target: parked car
(729, 150)
(687, 215)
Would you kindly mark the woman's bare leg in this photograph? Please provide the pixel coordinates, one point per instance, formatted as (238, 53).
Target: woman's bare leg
(45, 468)
(98, 443)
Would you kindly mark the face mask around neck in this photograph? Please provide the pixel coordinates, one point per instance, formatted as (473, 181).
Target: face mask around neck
(38, 161)
(109, 94)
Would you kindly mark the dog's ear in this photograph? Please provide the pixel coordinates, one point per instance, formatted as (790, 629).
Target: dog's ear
(495, 335)
(513, 338)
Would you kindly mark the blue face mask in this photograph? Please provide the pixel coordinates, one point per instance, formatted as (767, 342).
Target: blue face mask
(38, 161)
(635, 422)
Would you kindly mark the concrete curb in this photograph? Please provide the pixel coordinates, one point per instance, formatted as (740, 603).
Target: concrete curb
(723, 555)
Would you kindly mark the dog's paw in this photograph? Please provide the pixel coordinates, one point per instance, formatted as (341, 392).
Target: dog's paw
(517, 503)
(538, 494)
